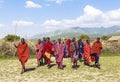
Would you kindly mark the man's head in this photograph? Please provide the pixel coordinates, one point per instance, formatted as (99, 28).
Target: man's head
(22, 40)
(98, 39)
(80, 40)
(88, 41)
(59, 40)
(44, 39)
(48, 39)
(39, 41)
(73, 39)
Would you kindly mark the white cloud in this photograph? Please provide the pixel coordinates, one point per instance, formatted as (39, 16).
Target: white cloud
(92, 17)
(22, 23)
(52, 22)
(56, 1)
(59, 1)
(2, 25)
(30, 4)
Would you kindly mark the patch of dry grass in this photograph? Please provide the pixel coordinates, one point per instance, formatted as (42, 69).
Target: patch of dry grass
(109, 72)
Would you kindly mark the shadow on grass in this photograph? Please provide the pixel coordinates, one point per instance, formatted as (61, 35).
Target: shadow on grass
(52, 65)
(29, 69)
(64, 66)
(51, 61)
(75, 67)
(94, 66)
(42, 64)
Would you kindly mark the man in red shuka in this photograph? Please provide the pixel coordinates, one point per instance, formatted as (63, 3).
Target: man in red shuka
(47, 50)
(22, 51)
(96, 51)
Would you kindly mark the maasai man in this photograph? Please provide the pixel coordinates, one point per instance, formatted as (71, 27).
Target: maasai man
(39, 48)
(43, 56)
(65, 49)
(74, 52)
(68, 44)
(96, 51)
(86, 54)
(80, 49)
(54, 48)
(23, 54)
(59, 53)
(47, 49)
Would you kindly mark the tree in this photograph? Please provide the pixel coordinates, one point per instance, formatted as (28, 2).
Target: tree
(11, 38)
(84, 36)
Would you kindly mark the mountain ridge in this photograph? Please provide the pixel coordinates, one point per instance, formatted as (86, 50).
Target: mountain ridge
(93, 32)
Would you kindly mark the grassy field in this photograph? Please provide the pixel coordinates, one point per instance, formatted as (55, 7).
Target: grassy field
(109, 72)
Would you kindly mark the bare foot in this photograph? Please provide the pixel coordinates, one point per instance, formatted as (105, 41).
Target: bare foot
(22, 71)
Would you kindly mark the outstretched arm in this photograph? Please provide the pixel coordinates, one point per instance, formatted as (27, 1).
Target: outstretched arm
(15, 45)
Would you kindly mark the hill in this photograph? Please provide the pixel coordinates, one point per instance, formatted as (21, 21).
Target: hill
(93, 32)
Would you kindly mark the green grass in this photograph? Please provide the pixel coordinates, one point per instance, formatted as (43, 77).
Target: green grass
(105, 54)
(3, 57)
(109, 72)
(6, 57)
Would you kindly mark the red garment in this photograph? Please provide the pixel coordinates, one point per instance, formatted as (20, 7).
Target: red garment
(86, 53)
(47, 49)
(39, 53)
(23, 53)
(96, 48)
(68, 44)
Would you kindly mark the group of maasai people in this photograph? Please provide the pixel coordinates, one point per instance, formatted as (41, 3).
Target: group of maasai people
(75, 49)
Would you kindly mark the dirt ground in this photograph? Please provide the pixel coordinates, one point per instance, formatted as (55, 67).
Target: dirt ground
(109, 72)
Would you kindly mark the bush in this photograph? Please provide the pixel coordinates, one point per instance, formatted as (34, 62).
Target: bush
(7, 48)
(11, 38)
(84, 36)
(113, 47)
(105, 37)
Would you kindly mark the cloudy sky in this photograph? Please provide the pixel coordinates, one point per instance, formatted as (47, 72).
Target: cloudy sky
(31, 17)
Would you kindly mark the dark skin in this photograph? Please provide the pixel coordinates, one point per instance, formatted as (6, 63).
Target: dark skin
(44, 39)
(48, 39)
(59, 40)
(79, 40)
(98, 39)
(73, 40)
(39, 41)
(88, 41)
(75, 62)
(22, 42)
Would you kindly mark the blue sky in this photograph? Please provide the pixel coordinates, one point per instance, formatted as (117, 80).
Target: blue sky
(33, 17)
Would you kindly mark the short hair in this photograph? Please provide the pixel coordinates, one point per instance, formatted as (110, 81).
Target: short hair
(98, 38)
(48, 38)
(87, 40)
(59, 39)
(22, 39)
(80, 40)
